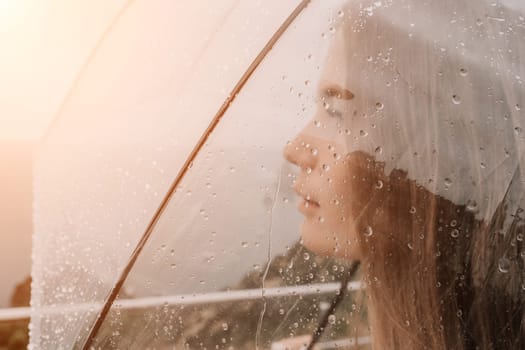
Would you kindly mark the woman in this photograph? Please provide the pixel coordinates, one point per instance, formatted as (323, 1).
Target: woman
(413, 165)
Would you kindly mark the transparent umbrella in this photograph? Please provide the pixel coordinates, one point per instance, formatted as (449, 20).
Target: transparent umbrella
(164, 208)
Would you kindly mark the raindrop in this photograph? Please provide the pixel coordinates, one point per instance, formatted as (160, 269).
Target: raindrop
(173, 266)
(325, 167)
(340, 13)
(379, 184)
(410, 246)
(456, 99)
(317, 123)
(332, 30)
(232, 169)
(224, 326)
(285, 200)
(455, 233)
(326, 105)
(517, 106)
(368, 231)
(412, 210)
(518, 130)
(504, 265)
(363, 133)
(281, 311)
(306, 256)
(463, 72)
(448, 182)
(332, 319)
(453, 223)
(244, 244)
(308, 170)
(472, 206)
(321, 219)
(314, 151)
(379, 106)
(378, 150)
(307, 82)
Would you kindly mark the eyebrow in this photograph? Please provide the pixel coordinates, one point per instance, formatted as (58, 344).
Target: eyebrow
(337, 92)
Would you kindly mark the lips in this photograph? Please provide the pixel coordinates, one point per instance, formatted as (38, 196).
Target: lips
(307, 204)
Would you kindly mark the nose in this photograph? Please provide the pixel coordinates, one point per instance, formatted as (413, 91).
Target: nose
(301, 151)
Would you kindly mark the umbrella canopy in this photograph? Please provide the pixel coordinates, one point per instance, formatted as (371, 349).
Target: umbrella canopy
(163, 220)
(150, 91)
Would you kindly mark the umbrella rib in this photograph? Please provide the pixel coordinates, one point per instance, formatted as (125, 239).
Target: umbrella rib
(187, 164)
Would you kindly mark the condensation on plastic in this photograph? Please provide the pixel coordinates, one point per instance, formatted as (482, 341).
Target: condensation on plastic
(143, 101)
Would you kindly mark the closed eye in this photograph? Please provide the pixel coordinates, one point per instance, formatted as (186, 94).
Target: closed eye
(334, 99)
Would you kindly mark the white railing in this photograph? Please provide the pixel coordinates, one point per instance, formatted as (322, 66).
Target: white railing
(21, 313)
(185, 299)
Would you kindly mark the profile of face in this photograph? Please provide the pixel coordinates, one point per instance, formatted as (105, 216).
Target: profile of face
(343, 191)
(334, 185)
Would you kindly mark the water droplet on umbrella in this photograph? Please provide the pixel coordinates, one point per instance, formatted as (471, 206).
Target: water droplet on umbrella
(306, 256)
(379, 106)
(368, 231)
(225, 326)
(308, 170)
(314, 151)
(448, 182)
(379, 184)
(244, 244)
(378, 150)
(325, 167)
(454, 233)
(317, 123)
(472, 206)
(456, 99)
(463, 72)
(363, 133)
(412, 210)
(453, 223)
(504, 265)
(332, 319)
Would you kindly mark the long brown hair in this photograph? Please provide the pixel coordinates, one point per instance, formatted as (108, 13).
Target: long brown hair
(438, 278)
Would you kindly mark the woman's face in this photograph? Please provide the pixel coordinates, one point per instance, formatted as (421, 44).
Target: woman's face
(335, 185)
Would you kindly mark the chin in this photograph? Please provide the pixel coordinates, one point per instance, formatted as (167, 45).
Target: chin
(318, 243)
